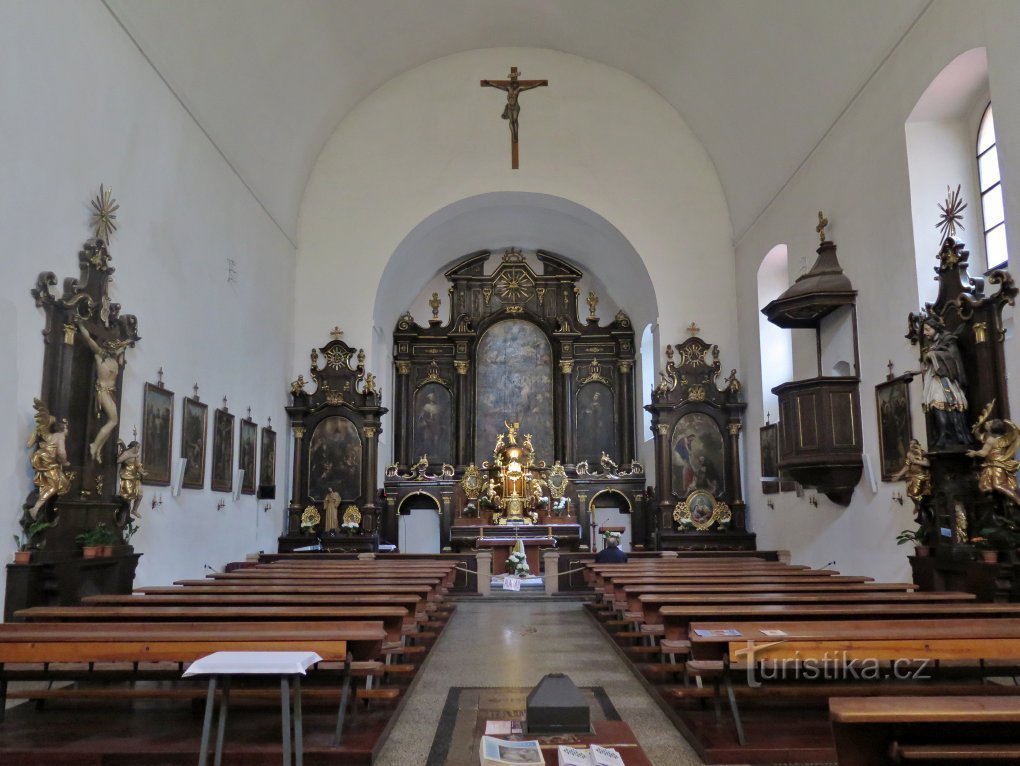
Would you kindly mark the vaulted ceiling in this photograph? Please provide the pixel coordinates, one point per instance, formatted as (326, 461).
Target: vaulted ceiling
(759, 81)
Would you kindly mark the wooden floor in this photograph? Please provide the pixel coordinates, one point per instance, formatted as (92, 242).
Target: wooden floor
(158, 732)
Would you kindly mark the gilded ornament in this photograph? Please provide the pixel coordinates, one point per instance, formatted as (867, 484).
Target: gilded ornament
(131, 471)
(540, 292)
(336, 333)
(514, 285)
(434, 304)
(1000, 441)
(622, 319)
(951, 216)
(69, 331)
(696, 393)
(471, 482)
(104, 216)
(662, 429)
(593, 302)
(916, 472)
(299, 432)
(403, 368)
(623, 367)
(461, 367)
(700, 511)
(595, 373)
(980, 332)
(734, 429)
(405, 321)
(820, 228)
(567, 366)
(297, 387)
(433, 376)
(692, 329)
(333, 398)
(487, 294)
(352, 515)
(369, 432)
(310, 519)
(338, 358)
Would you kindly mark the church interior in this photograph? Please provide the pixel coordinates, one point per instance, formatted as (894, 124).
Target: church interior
(374, 330)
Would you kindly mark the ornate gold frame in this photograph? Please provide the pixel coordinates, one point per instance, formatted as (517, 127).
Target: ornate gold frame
(472, 482)
(684, 516)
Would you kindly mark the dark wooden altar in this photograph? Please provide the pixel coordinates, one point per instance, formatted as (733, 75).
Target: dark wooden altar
(952, 507)
(513, 348)
(699, 502)
(336, 431)
(81, 315)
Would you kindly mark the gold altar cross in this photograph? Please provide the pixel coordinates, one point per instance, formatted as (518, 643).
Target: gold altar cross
(512, 110)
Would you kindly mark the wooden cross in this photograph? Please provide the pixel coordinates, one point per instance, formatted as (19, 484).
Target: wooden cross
(249, 412)
(195, 389)
(890, 366)
(512, 110)
(159, 377)
(225, 404)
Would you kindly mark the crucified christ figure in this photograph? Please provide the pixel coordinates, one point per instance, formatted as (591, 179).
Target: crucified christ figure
(512, 110)
(109, 360)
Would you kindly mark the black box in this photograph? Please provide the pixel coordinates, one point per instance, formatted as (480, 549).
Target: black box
(556, 706)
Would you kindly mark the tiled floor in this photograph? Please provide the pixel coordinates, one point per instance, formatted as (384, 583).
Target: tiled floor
(515, 643)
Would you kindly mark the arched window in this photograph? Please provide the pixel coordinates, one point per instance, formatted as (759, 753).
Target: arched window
(990, 185)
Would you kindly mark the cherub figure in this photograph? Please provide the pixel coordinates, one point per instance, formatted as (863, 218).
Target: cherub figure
(50, 457)
(608, 465)
(915, 471)
(131, 471)
(1000, 440)
(298, 386)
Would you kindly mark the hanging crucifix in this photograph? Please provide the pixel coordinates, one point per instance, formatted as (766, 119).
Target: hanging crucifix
(512, 110)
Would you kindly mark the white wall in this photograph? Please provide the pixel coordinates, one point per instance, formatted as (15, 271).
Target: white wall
(859, 176)
(81, 107)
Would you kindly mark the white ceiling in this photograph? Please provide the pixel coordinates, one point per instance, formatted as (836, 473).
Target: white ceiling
(759, 81)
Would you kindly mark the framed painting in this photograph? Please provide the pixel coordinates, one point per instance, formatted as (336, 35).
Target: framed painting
(223, 452)
(267, 459)
(246, 455)
(698, 456)
(596, 423)
(770, 458)
(433, 423)
(157, 434)
(892, 402)
(334, 459)
(194, 427)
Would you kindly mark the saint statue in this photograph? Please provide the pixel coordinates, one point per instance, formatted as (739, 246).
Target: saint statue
(944, 378)
(109, 360)
(129, 458)
(331, 505)
(50, 457)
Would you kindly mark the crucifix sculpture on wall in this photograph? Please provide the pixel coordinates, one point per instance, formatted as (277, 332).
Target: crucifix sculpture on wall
(512, 110)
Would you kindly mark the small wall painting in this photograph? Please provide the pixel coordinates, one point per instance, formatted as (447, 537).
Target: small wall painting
(157, 434)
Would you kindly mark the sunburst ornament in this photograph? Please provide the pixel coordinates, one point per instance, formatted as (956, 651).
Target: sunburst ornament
(104, 216)
(951, 214)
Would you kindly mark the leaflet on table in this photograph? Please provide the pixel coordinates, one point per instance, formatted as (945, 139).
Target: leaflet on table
(500, 752)
(721, 633)
(596, 755)
(503, 728)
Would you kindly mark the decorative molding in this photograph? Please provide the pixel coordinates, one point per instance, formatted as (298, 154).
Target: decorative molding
(566, 366)
(595, 374)
(403, 368)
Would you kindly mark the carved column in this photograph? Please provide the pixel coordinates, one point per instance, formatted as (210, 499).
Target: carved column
(737, 493)
(625, 406)
(465, 444)
(445, 522)
(294, 516)
(567, 388)
(402, 398)
(663, 469)
(368, 480)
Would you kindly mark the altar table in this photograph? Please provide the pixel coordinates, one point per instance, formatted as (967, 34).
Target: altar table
(502, 546)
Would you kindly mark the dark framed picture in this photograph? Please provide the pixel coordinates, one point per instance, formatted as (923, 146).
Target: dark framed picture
(770, 451)
(892, 402)
(246, 453)
(223, 452)
(194, 428)
(267, 458)
(157, 433)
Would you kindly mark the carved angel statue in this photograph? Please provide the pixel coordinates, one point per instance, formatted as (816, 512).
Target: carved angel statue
(370, 384)
(131, 471)
(1000, 440)
(915, 471)
(527, 445)
(49, 458)
(109, 360)
(298, 386)
(511, 432)
(732, 384)
(608, 465)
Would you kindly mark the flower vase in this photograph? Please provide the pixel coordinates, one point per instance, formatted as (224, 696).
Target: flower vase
(22, 557)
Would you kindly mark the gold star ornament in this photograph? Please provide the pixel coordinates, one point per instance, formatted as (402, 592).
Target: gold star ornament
(104, 215)
(951, 216)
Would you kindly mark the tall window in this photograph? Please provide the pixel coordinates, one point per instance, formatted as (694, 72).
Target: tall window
(991, 193)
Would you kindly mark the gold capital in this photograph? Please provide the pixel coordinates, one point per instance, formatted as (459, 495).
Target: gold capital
(662, 429)
(69, 331)
(567, 366)
(734, 428)
(403, 368)
(461, 367)
(623, 367)
(299, 432)
(369, 432)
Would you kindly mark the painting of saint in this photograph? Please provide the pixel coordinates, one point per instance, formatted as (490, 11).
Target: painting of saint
(246, 460)
(267, 458)
(770, 451)
(193, 434)
(894, 433)
(699, 457)
(157, 434)
(334, 459)
(433, 423)
(596, 423)
(514, 383)
(223, 452)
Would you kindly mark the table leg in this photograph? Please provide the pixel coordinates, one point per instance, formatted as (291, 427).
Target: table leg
(299, 754)
(345, 695)
(285, 715)
(210, 701)
(728, 681)
(222, 725)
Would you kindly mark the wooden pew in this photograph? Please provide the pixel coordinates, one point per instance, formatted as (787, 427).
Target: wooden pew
(393, 619)
(48, 648)
(210, 586)
(838, 643)
(882, 731)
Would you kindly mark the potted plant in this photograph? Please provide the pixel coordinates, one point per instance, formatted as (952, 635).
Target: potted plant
(106, 538)
(985, 548)
(1002, 535)
(517, 564)
(918, 537)
(93, 540)
(27, 541)
(350, 527)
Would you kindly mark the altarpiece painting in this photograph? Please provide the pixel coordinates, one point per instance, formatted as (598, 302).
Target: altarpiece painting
(699, 456)
(334, 459)
(596, 422)
(433, 422)
(157, 433)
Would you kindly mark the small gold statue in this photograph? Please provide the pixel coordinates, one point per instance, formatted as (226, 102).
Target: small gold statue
(129, 458)
(1000, 440)
(732, 384)
(298, 386)
(915, 471)
(50, 457)
(310, 519)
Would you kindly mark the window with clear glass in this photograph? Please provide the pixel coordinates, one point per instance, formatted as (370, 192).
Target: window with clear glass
(992, 211)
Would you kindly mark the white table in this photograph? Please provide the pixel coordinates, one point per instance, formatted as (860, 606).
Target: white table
(221, 666)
